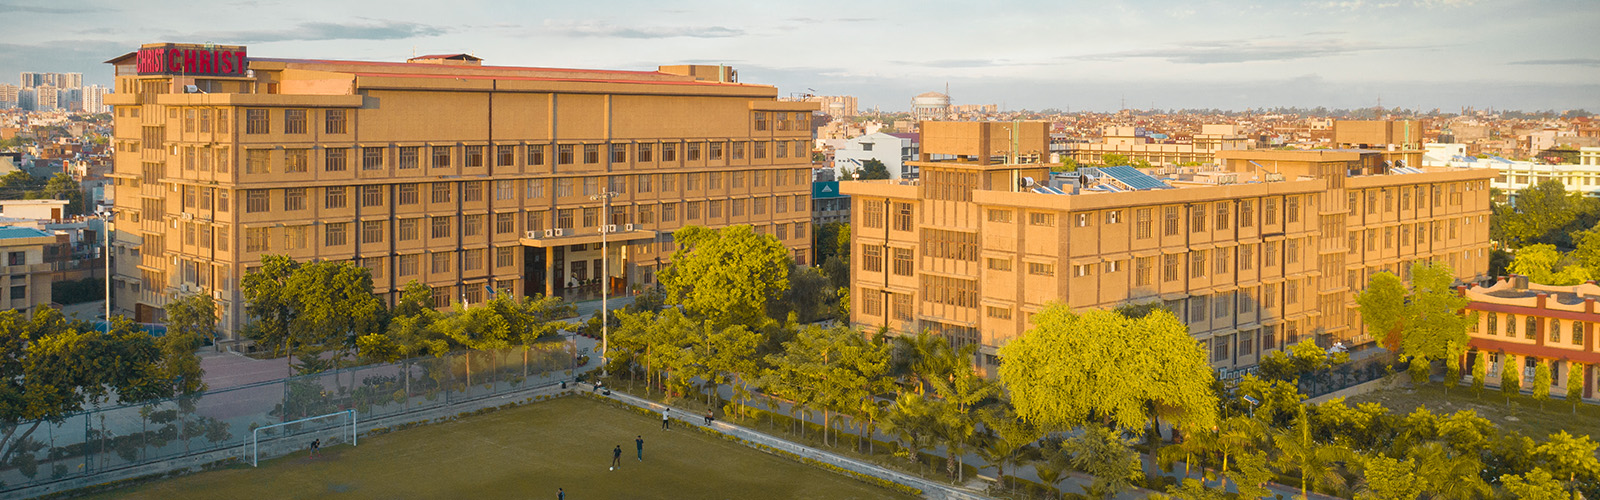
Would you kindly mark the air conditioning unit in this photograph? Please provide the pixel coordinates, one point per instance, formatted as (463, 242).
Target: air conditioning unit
(627, 227)
(611, 228)
(533, 234)
(216, 295)
(186, 216)
(549, 232)
(559, 232)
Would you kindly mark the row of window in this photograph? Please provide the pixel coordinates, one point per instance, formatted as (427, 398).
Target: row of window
(802, 120)
(340, 159)
(1553, 330)
(338, 197)
(1410, 197)
(1414, 234)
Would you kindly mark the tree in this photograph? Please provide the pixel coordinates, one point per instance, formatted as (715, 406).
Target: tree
(334, 305)
(1568, 455)
(1385, 478)
(1383, 308)
(1006, 438)
(872, 169)
(1480, 371)
(190, 319)
(1251, 475)
(727, 275)
(1541, 212)
(1067, 165)
(1448, 474)
(1125, 371)
(1541, 383)
(1110, 458)
(1542, 264)
(1192, 489)
(808, 296)
(1429, 316)
(1575, 373)
(912, 420)
(1537, 484)
(1510, 380)
(958, 418)
(1586, 247)
(61, 187)
(1316, 463)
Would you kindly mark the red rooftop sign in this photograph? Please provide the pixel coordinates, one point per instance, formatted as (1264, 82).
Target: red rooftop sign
(192, 59)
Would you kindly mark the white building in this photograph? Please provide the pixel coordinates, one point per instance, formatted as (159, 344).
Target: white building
(891, 149)
(1517, 175)
(94, 99)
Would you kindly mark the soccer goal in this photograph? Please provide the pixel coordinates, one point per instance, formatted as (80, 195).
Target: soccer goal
(332, 428)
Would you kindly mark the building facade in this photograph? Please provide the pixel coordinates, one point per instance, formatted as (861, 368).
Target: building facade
(1265, 250)
(930, 106)
(893, 149)
(27, 273)
(439, 170)
(1512, 176)
(1132, 143)
(1522, 325)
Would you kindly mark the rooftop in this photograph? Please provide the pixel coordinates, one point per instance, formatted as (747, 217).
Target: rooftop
(14, 232)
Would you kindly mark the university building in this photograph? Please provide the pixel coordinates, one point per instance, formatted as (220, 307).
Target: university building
(1522, 325)
(439, 169)
(1259, 251)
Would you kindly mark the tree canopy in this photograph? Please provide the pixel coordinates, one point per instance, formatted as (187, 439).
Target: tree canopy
(308, 309)
(727, 275)
(872, 169)
(1072, 366)
(1429, 316)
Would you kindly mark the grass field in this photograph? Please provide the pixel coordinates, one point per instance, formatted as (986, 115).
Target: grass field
(1523, 415)
(525, 452)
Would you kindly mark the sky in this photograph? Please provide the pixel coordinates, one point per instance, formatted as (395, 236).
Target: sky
(1099, 55)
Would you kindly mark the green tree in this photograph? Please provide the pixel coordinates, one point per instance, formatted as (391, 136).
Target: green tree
(62, 187)
(1510, 378)
(809, 296)
(872, 169)
(1542, 264)
(1383, 308)
(913, 420)
(962, 392)
(1006, 438)
(1541, 383)
(1575, 372)
(1251, 475)
(1110, 458)
(1569, 455)
(270, 307)
(1428, 317)
(1125, 371)
(1448, 474)
(1541, 212)
(1537, 484)
(1480, 371)
(1316, 463)
(191, 320)
(727, 275)
(922, 358)
(1385, 478)
(1192, 489)
(1586, 247)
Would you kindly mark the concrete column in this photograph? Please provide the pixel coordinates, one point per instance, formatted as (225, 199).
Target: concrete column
(549, 271)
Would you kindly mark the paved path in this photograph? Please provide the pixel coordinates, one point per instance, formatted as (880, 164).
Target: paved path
(930, 489)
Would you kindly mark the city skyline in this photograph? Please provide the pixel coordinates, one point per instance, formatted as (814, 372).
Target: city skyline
(1415, 54)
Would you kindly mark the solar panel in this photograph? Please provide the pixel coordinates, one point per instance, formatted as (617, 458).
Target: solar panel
(1135, 179)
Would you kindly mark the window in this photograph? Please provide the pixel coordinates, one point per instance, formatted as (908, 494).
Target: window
(1247, 214)
(256, 201)
(760, 118)
(1271, 253)
(505, 257)
(591, 154)
(535, 154)
(737, 150)
(372, 158)
(902, 261)
(872, 258)
(333, 234)
(294, 121)
(669, 152)
(1271, 211)
(1221, 257)
(295, 161)
(760, 150)
(1222, 305)
(1247, 258)
(536, 220)
(1141, 223)
(441, 192)
(999, 215)
(294, 237)
(472, 225)
(408, 265)
(1197, 218)
(472, 260)
(440, 263)
(1577, 333)
(474, 156)
(1223, 222)
(714, 180)
(998, 312)
(440, 227)
(1197, 264)
(1197, 309)
(643, 151)
(591, 217)
(1291, 292)
(1292, 209)
(591, 186)
(255, 239)
(1269, 296)
(407, 230)
(995, 264)
(334, 121)
(256, 121)
(294, 199)
(1041, 219)
(1555, 331)
(871, 302)
(441, 157)
(783, 150)
(1141, 270)
(471, 191)
(1533, 327)
(714, 150)
(874, 215)
(372, 232)
(334, 159)
(1219, 348)
(1113, 216)
(1291, 250)
(1169, 267)
(1042, 269)
(1081, 220)
(644, 183)
(1172, 221)
(408, 157)
(902, 216)
(505, 156)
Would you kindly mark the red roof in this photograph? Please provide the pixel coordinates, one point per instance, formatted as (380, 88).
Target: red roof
(450, 56)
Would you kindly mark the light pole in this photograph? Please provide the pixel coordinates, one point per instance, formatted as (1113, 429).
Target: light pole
(605, 279)
(107, 258)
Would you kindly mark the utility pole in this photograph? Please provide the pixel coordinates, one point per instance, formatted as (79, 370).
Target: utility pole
(605, 277)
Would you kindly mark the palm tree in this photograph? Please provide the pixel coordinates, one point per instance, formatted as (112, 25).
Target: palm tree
(1108, 457)
(1236, 435)
(1006, 439)
(1317, 463)
(912, 421)
(958, 416)
(1051, 464)
(1449, 475)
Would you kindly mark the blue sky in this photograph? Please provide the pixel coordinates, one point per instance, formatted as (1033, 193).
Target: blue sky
(1519, 54)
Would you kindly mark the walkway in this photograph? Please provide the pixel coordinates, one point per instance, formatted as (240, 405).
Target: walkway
(930, 489)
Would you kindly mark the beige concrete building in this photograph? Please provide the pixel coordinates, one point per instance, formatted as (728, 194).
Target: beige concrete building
(1261, 252)
(1127, 141)
(439, 169)
(1522, 325)
(26, 274)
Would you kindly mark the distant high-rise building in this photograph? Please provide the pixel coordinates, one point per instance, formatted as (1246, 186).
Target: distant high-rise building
(59, 80)
(8, 95)
(837, 106)
(94, 99)
(45, 98)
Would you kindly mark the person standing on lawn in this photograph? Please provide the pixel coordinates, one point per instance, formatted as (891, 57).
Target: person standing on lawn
(638, 443)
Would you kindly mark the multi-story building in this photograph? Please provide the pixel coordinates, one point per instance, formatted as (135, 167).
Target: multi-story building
(94, 99)
(893, 149)
(837, 106)
(1262, 251)
(1523, 325)
(1132, 143)
(1512, 176)
(439, 170)
(27, 275)
(62, 80)
(827, 205)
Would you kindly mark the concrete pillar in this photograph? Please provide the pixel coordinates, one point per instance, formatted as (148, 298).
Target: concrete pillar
(549, 271)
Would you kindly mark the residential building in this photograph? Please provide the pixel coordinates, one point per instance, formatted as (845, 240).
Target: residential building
(439, 170)
(1512, 176)
(1264, 250)
(62, 80)
(893, 149)
(94, 99)
(1136, 144)
(1589, 156)
(26, 274)
(32, 209)
(837, 106)
(827, 204)
(1522, 325)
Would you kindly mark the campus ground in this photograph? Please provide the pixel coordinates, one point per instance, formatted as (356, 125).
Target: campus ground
(524, 452)
(1523, 415)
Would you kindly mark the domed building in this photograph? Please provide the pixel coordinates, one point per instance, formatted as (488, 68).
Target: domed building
(930, 106)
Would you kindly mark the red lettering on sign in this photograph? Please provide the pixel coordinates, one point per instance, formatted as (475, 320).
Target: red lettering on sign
(224, 62)
(174, 60)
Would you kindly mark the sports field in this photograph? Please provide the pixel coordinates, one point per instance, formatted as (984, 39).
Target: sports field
(525, 452)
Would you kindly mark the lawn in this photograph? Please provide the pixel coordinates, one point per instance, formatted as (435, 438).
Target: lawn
(1523, 416)
(525, 452)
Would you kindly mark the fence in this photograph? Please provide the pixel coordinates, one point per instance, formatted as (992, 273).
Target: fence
(115, 438)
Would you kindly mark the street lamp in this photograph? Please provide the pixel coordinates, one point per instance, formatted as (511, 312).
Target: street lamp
(605, 279)
(107, 258)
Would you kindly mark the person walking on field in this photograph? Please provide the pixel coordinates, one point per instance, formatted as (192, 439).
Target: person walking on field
(315, 443)
(638, 443)
(561, 494)
(665, 414)
(616, 457)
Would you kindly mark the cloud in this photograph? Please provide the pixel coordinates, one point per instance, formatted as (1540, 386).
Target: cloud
(1577, 61)
(1239, 51)
(317, 31)
(10, 8)
(606, 30)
